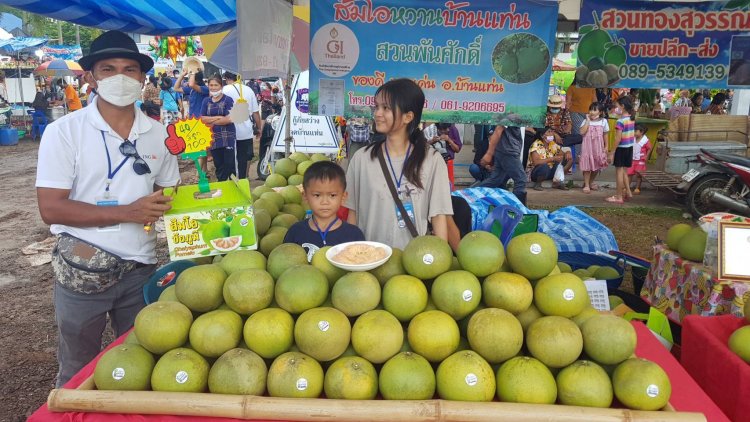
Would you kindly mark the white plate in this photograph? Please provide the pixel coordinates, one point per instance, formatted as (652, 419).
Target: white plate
(362, 267)
(690, 175)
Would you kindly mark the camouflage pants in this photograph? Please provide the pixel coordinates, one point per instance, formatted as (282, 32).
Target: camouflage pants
(81, 319)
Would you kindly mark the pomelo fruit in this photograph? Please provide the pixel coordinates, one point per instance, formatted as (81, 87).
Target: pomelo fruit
(480, 253)
(615, 301)
(285, 167)
(582, 273)
(319, 157)
(528, 316)
(356, 293)
(274, 197)
(269, 332)
(248, 291)
(434, 335)
(238, 371)
(351, 378)
(284, 220)
(299, 156)
(584, 383)
(303, 166)
(465, 376)
(564, 267)
(242, 225)
(693, 245)
(456, 293)
(294, 209)
(162, 326)
(322, 333)
(404, 296)
(266, 205)
(131, 339)
(291, 195)
(215, 332)
(300, 288)
(739, 343)
(508, 291)
(523, 379)
(284, 257)
(331, 271)
(168, 295)
(407, 376)
(294, 374)
(200, 287)
(563, 295)
(262, 221)
(427, 257)
(271, 241)
(391, 268)
(124, 367)
(533, 255)
(242, 260)
(260, 190)
(455, 265)
(214, 229)
(746, 309)
(555, 341)
(275, 180)
(641, 384)
(181, 370)
(608, 339)
(585, 315)
(377, 336)
(226, 244)
(676, 233)
(463, 324)
(495, 334)
(606, 273)
(295, 180)
(592, 269)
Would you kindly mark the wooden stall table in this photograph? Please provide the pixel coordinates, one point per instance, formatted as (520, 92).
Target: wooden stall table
(707, 358)
(678, 287)
(687, 396)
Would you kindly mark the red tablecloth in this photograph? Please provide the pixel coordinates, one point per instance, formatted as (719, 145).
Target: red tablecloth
(687, 396)
(722, 374)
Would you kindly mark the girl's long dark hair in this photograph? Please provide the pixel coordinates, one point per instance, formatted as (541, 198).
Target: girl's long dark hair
(404, 95)
(627, 105)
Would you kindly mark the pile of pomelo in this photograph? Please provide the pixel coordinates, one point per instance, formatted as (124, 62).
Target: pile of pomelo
(688, 241)
(289, 171)
(480, 326)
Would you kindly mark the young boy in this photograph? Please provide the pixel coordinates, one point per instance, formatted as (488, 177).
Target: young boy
(325, 191)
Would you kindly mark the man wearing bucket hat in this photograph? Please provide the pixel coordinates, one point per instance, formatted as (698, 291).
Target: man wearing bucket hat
(100, 179)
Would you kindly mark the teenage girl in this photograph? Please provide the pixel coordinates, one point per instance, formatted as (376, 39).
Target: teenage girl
(622, 156)
(594, 148)
(418, 172)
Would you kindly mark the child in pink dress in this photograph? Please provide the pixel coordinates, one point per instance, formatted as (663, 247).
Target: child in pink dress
(641, 150)
(594, 148)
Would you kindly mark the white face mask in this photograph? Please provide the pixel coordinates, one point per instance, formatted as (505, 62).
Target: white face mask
(119, 90)
(215, 93)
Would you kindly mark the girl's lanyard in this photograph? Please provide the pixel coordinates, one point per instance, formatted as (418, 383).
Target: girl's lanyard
(111, 174)
(406, 196)
(324, 233)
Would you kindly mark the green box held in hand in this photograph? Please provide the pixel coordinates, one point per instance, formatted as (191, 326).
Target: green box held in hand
(212, 223)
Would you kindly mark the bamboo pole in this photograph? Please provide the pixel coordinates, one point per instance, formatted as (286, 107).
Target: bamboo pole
(271, 408)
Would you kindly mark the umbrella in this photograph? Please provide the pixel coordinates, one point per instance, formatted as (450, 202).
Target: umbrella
(17, 46)
(59, 68)
(559, 65)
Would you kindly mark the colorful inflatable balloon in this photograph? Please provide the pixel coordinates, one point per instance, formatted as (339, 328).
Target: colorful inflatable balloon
(182, 45)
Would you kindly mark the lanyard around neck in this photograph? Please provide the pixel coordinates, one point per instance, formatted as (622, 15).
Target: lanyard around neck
(111, 174)
(390, 164)
(324, 233)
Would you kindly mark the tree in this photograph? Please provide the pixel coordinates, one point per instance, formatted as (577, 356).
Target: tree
(41, 26)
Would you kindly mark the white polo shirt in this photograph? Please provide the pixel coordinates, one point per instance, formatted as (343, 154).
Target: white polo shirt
(72, 156)
(245, 129)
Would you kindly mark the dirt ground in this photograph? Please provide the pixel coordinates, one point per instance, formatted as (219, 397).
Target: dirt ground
(27, 328)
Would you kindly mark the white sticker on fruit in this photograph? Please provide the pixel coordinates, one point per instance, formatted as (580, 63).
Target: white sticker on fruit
(427, 259)
(302, 384)
(471, 379)
(652, 390)
(467, 295)
(569, 294)
(323, 325)
(181, 377)
(118, 374)
(536, 249)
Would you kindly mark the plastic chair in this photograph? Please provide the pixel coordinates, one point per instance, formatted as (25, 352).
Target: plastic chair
(507, 217)
(38, 124)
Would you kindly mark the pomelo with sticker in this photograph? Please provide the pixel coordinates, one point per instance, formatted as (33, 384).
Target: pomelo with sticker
(124, 367)
(295, 374)
(465, 376)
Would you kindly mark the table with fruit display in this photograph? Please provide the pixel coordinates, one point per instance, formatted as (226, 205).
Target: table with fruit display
(384, 334)
(679, 284)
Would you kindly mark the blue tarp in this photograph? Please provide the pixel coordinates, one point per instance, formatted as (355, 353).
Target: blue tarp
(19, 44)
(572, 229)
(153, 17)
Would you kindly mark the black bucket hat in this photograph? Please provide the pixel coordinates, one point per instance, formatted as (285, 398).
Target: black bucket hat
(115, 44)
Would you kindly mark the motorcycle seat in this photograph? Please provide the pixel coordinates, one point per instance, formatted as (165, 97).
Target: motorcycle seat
(734, 159)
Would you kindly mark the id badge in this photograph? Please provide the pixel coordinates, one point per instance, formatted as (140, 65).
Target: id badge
(107, 200)
(409, 207)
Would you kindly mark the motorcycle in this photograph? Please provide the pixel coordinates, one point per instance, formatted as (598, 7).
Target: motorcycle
(266, 140)
(720, 184)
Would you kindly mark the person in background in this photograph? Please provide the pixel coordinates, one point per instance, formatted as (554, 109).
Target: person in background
(247, 130)
(72, 100)
(504, 155)
(559, 120)
(577, 101)
(594, 148)
(152, 96)
(635, 98)
(324, 184)
(717, 104)
(622, 156)
(545, 156)
(215, 113)
(641, 149)
(658, 109)
(706, 99)
(448, 138)
(358, 133)
(103, 256)
(482, 134)
(170, 106)
(684, 99)
(696, 102)
(418, 172)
